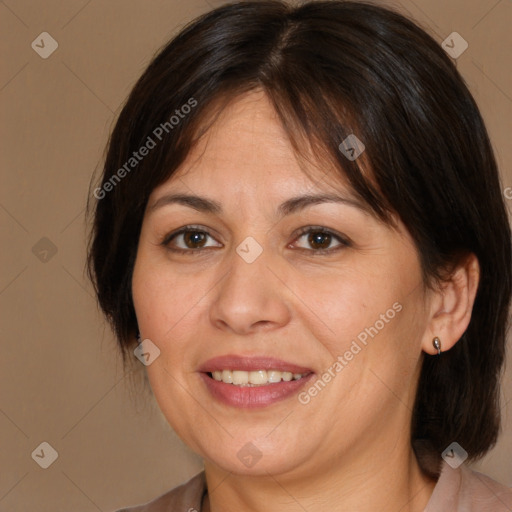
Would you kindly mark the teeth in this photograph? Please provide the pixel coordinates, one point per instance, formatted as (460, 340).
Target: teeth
(274, 376)
(227, 376)
(240, 377)
(254, 378)
(259, 377)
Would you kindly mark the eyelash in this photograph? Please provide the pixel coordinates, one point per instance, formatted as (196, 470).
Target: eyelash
(344, 242)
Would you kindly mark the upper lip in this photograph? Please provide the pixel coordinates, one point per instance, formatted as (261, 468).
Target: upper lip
(250, 364)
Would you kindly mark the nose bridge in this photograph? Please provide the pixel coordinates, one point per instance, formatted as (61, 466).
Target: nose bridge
(249, 294)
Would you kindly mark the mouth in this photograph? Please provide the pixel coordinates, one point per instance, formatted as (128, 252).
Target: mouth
(248, 382)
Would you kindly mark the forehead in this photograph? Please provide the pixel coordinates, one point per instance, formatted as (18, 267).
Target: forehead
(247, 151)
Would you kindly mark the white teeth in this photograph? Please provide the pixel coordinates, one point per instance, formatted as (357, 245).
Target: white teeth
(254, 378)
(259, 377)
(287, 376)
(240, 377)
(274, 376)
(227, 377)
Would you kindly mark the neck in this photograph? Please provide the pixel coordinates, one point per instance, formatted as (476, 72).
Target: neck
(380, 484)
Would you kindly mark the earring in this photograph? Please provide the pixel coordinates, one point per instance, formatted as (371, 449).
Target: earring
(138, 336)
(437, 344)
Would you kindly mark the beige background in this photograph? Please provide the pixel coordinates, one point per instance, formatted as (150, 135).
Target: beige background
(61, 377)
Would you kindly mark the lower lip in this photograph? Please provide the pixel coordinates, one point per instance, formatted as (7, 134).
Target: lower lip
(252, 397)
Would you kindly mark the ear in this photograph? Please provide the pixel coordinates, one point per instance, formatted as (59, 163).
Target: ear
(451, 306)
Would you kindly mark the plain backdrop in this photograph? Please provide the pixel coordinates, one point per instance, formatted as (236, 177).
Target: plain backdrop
(62, 382)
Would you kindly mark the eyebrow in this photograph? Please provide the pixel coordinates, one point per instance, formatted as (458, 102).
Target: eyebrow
(292, 205)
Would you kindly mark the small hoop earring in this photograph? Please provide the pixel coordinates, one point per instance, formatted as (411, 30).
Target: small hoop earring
(437, 345)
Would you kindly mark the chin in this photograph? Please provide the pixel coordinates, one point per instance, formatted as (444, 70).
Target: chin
(255, 458)
(264, 467)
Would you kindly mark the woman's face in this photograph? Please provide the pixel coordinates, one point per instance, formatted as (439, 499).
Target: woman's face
(250, 284)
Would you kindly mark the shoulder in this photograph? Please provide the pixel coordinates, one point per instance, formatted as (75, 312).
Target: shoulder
(483, 493)
(465, 490)
(186, 497)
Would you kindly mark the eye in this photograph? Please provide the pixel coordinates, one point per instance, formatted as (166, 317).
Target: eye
(320, 240)
(187, 239)
(192, 239)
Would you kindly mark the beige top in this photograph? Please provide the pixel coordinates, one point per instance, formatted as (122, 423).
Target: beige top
(457, 490)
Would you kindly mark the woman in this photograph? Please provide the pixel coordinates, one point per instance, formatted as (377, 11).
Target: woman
(300, 232)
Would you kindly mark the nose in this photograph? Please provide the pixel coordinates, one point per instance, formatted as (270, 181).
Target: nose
(251, 297)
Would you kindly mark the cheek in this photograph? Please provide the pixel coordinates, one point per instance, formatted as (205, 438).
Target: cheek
(366, 314)
(345, 302)
(161, 297)
(169, 305)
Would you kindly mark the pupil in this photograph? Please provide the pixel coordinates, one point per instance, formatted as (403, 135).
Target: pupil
(193, 238)
(323, 239)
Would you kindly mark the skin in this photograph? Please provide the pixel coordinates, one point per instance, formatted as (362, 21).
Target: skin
(349, 447)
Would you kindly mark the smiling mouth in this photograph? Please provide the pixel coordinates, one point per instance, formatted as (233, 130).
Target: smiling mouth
(255, 378)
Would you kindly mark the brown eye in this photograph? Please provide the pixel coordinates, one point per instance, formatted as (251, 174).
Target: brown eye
(188, 239)
(319, 240)
(194, 238)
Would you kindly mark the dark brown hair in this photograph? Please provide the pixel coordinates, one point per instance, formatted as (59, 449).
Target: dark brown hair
(332, 68)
